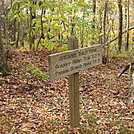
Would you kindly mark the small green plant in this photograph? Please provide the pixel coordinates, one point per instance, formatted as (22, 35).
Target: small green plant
(91, 120)
(122, 128)
(123, 54)
(32, 70)
(91, 125)
(43, 132)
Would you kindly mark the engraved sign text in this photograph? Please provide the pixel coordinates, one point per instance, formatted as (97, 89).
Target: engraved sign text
(72, 61)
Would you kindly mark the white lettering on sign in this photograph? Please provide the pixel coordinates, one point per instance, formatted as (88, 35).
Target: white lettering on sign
(72, 61)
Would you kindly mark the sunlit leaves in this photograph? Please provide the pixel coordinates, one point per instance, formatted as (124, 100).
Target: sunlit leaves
(35, 71)
(56, 19)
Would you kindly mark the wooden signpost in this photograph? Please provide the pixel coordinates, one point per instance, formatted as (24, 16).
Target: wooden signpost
(70, 63)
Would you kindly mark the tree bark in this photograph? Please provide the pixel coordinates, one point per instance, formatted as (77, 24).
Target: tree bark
(120, 25)
(104, 32)
(18, 31)
(127, 36)
(104, 22)
(94, 11)
(4, 20)
(93, 19)
(31, 27)
(4, 67)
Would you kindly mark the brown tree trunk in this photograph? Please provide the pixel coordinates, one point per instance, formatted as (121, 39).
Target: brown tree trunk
(127, 36)
(104, 22)
(93, 19)
(31, 27)
(4, 67)
(104, 32)
(120, 26)
(18, 31)
(94, 11)
(4, 20)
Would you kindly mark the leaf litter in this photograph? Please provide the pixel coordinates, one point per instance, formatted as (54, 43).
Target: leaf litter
(30, 105)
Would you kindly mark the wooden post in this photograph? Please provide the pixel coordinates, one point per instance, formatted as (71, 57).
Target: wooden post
(69, 63)
(73, 88)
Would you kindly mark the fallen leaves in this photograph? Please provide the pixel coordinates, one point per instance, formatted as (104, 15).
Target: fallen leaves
(30, 105)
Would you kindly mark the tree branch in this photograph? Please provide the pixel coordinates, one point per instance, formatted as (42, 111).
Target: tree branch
(115, 38)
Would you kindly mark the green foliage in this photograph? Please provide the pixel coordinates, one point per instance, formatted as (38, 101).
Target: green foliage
(122, 128)
(125, 54)
(57, 21)
(6, 123)
(91, 120)
(93, 126)
(36, 72)
(4, 69)
(1, 68)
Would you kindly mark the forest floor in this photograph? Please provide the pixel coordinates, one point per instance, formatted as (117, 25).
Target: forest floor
(30, 105)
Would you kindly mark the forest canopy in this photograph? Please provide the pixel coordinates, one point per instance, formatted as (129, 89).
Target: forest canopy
(48, 24)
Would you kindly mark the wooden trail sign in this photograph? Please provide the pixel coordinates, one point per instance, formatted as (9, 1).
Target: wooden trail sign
(70, 63)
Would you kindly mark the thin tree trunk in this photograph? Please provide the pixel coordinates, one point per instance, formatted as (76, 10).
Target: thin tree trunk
(13, 23)
(93, 19)
(133, 25)
(83, 29)
(0, 35)
(120, 25)
(104, 32)
(4, 67)
(4, 20)
(94, 11)
(18, 31)
(42, 31)
(31, 27)
(104, 23)
(99, 26)
(127, 37)
(18, 34)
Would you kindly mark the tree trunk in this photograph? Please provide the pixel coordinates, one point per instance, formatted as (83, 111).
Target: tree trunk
(18, 31)
(120, 26)
(93, 19)
(31, 27)
(94, 11)
(99, 27)
(4, 67)
(104, 60)
(83, 29)
(127, 36)
(104, 22)
(4, 20)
